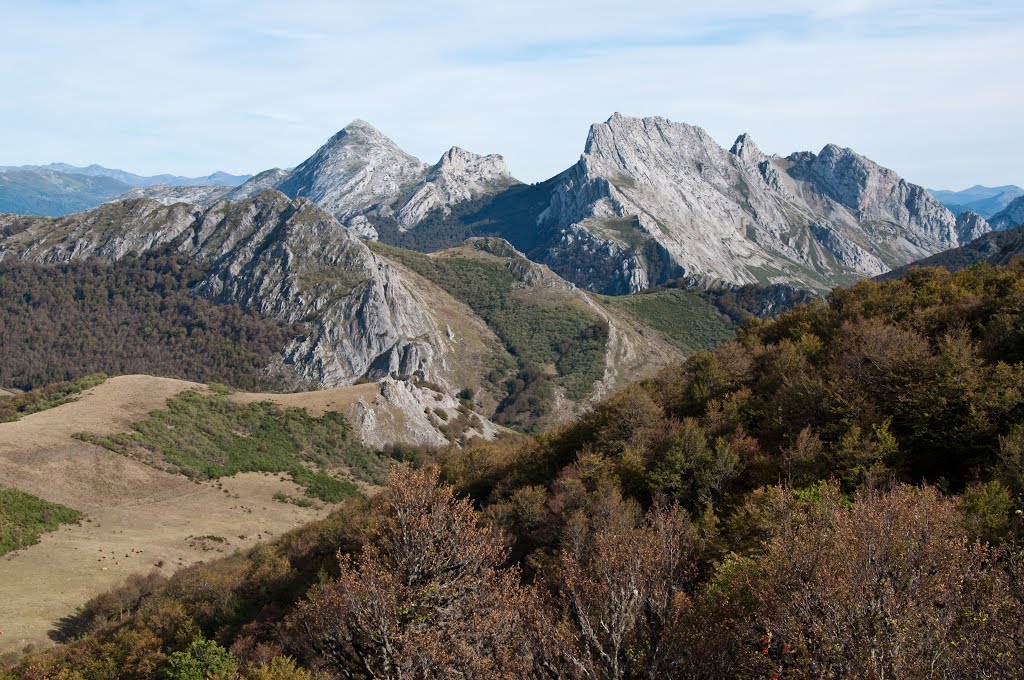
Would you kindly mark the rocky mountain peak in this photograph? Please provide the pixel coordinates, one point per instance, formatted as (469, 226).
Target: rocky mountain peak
(746, 150)
(459, 176)
(605, 139)
(357, 170)
(651, 200)
(360, 128)
(872, 192)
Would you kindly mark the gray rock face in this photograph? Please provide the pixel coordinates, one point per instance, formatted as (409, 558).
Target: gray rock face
(459, 176)
(357, 171)
(970, 225)
(848, 252)
(872, 192)
(169, 194)
(651, 199)
(286, 259)
(1010, 216)
(290, 260)
(268, 179)
(108, 232)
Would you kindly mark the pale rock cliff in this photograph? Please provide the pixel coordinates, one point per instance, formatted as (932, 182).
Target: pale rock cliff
(357, 171)
(459, 176)
(651, 200)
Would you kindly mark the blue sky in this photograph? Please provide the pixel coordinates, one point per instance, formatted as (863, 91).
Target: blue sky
(931, 89)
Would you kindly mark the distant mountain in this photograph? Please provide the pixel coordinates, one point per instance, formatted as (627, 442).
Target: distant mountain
(1010, 216)
(996, 247)
(650, 201)
(131, 179)
(61, 189)
(659, 198)
(986, 201)
(50, 193)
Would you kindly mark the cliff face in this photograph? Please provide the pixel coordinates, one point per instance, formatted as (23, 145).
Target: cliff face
(656, 199)
(459, 176)
(287, 259)
(357, 171)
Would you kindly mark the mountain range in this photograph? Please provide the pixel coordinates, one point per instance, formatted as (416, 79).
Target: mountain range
(986, 201)
(650, 201)
(60, 189)
(536, 298)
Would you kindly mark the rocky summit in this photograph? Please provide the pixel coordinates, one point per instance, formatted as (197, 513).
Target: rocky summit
(459, 176)
(357, 171)
(651, 199)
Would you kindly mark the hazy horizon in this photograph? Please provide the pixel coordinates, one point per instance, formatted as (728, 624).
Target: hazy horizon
(189, 88)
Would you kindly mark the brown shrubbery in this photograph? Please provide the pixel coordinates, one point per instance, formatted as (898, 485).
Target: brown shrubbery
(835, 494)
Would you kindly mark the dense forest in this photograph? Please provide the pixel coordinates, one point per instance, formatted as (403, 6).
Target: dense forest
(835, 494)
(138, 315)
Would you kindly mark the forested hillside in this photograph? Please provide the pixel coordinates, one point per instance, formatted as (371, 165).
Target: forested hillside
(64, 321)
(836, 493)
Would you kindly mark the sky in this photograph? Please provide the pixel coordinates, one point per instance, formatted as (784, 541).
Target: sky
(930, 89)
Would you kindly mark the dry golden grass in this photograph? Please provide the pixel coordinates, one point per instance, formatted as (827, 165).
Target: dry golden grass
(137, 516)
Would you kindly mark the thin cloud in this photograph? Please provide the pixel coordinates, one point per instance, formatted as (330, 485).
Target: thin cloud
(190, 86)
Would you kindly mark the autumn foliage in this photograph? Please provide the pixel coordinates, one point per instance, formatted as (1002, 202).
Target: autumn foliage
(834, 494)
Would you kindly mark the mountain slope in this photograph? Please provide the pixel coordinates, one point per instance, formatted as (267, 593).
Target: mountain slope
(543, 350)
(1010, 216)
(997, 247)
(203, 195)
(986, 201)
(652, 201)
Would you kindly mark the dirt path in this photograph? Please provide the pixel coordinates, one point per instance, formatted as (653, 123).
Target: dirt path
(137, 516)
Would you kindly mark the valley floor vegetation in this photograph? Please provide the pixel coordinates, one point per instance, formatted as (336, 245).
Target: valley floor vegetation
(24, 518)
(834, 494)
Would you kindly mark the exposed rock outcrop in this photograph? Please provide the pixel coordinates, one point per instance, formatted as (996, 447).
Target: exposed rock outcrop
(169, 194)
(287, 259)
(358, 171)
(108, 232)
(257, 184)
(459, 176)
(970, 225)
(651, 199)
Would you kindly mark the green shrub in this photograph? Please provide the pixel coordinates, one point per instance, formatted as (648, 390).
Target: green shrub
(42, 398)
(24, 518)
(208, 436)
(203, 660)
(567, 337)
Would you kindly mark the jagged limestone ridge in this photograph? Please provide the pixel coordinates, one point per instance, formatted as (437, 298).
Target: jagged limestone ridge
(651, 199)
